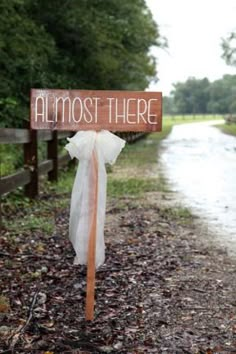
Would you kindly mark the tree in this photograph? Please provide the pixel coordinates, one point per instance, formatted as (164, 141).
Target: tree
(229, 49)
(25, 50)
(222, 95)
(191, 97)
(196, 96)
(168, 105)
(107, 43)
(86, 44)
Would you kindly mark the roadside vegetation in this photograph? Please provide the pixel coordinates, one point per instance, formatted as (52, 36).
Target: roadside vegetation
(228, 128)
(13, 153)
(159, 267)
(201, 96)
(134, 173)
(75, 44)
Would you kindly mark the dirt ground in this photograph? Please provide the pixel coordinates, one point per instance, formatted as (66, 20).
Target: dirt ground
(163, 289)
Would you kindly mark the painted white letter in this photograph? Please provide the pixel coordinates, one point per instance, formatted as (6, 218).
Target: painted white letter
(123, 113)
(36, 108)
(73, 109)
(96, 99)
(139, 113)
(149, 109)
(87, 110)
(110, 110)
(130, 114)
(64, 99)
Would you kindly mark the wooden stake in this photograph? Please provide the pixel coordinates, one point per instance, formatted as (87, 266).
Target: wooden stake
(92, 250)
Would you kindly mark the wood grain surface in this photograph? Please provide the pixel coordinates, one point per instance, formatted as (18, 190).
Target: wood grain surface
(95, 110)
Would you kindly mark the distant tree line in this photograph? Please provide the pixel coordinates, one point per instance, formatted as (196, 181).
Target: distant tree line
(83, 44)
(200, 96)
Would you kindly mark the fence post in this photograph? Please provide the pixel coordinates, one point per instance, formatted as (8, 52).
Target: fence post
(31, 162)
(53, 155)
(1, 223)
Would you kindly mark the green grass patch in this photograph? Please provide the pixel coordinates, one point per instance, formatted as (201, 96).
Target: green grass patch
(11, 158)
(135, 187)
(64, 184)
(135, 171)
(227, 128)
(144, 152)
(30, 215)
(179, 213)
(183, 119)
(39, 213)
(33, 222)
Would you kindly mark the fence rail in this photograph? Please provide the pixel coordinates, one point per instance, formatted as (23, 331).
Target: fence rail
(28, 176)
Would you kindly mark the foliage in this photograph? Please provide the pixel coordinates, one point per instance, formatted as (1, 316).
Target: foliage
(13, 154)
(32, 223)
(222, 95)
(228, 128)
(200, 96)
(131, 186)
(86, 44)
(26, 54)
(169, 105)
(229, 49)
(191, 96)
(170, 120)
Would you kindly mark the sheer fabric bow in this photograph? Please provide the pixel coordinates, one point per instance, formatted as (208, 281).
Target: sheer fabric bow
(93, 150)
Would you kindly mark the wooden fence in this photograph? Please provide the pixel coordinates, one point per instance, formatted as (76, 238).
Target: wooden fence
(29, 175)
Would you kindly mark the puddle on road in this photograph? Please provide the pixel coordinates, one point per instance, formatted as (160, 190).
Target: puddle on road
(200, 164)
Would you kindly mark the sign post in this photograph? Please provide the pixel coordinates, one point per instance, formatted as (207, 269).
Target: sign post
(85, 110)
(90, 293)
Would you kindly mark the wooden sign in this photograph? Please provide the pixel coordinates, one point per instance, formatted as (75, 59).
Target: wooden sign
(96, 110)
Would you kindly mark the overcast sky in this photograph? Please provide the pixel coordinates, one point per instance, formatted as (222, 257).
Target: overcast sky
(194, 30)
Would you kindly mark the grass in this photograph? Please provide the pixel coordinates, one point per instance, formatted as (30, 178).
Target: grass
(119, 187)
(11, 156)
(34, 222)
(179, 213)
(228, 128)
(135, 171)
(27, 215)
(65, 183)
(37, 214)
(181, 119)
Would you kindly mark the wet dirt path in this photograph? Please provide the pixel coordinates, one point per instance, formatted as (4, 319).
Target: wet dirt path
(200, 164)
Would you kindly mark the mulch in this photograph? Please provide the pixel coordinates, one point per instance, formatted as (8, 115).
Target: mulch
(161, 290)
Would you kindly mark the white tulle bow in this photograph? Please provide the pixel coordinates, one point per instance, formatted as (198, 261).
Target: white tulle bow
(85, 146)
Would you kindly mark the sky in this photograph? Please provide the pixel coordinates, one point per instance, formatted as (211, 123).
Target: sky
(194, 30)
